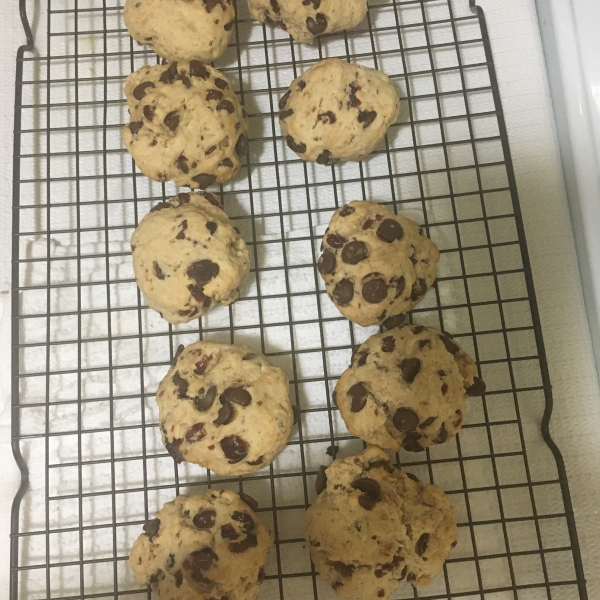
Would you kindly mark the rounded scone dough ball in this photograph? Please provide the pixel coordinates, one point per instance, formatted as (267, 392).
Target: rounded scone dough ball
(186, 124)
(373, 527)
(225, 408)
(201, 547)
(406, 388)
(376, 265)
(304, 20)
(180, 29)
(337, 111)
(187, 256)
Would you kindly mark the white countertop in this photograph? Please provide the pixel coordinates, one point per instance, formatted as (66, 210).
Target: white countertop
(523, 86)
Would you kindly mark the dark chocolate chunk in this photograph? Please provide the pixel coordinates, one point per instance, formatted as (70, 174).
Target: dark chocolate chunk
(298, 147)
(399, 283)
(318, 25)
(151, 527)
(388, 344)
(442, 435)
(181, 234)
(226, 105)
(249, 542)
(153, 579)
(366, 502)
(393, 321)
(195, 433)
(369, 487)
(228, 26)
(178, 352)
(220, 83)
(204, 179)
(211, 226)
(173, 449)
(358, 397)
(325, 158)
(214, 95)
(450, 345)
(354, 252)
(327, 263)
(170, 75)
(444, 388)
(390, 230)
(327, 117)
(411, 442)
(335, 240)
(237, 395)
(181, 384)
(202, 560)
(405, 419)
(381, 593)
(343, 569)
(171, 121)
(302, 84)
(380, 464)
(135, 126)
(202, 271)
(225, 415)
(424, 344)
(347, 211)
(410, 368)
(149, 111)
(343, 292)
(366, 117)
(228, 532)
(158, 271)
(422, 543)
(241, 146)
(182, 164)
(321, 480)
(249, 500)
(478, 387)
(353, 100)
(284, 114)
(245, 518)
(259, 461)
(427, 422)
(419, 289)
(362, 358)
(183, 197)
(235, 448)
(375, 291)
(205, 519)
(226, 162)
(140, 90)
(197, 69)
(283, 100)
(416, 329)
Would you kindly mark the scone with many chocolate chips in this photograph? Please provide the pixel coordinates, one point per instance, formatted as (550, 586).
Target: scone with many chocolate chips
(187, 257)
(186, 124)
(225, 408)
(304, 20)
(203, 547)
(406, 388)
(373, 527)
(376, 265)
(180, 29)
(337, 111)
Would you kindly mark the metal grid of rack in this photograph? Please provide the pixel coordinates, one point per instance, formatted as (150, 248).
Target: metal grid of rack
(88, 353)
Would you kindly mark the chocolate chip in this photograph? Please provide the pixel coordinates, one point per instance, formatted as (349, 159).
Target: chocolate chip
(228, 532)
(317, 25)
(204, 179)
(135, 126)
(284, 114)
(366, 117)
(343, 569)
(202, 271)
(173, 449)
(347, 210)
(214, 95)
(390, 230)
(198, 294)
(326, 159)
(261, 575)
(422, 543)
(171, 121)
(186, 81)
(245, 518)
(149, 111)
(419, 289)
(388, 344)
(151, 527)
(335, 240)
(444, 388)
(362, 359)
(336, 585)
(411, 442)
(183, 197)
(451, 346)
(210, 4)
(478, 387)
(442, 435)
(249, 500)
(140, 90)
(375, 291)
(202, 560)
(296, 413)
(399, 283)
(332, 450)
(413, 477)
(225, 415)
(195, 433)
(427, 422)
(315, 3)
(343, 292)
(220, 83)
(178, 575)
(197, 69)
(259, 461)
(321, 480)
(241, 146)
(237, 395)
(416, 329)
(249, 542)
(226, 162)
(327, 263)
(327, 117)
(170, 562)
(235, 448)
(424, 344)
(283, 100)
(211, 226)
(366, 502)
(354, 252)
(178, 352)
(153, 579)
(181, 384)
(158, 271)
(367, 224)
(358, 396)
(170, 75)
(381, 593)
(298, 147)
(393, 321)
(380, 464)
(302, 84)
(181, 234)
(369, 487)
(182, 164)
(405, 419)
(353, 100)
(228, 26)
(226, 105)
(410, 368)
(205, 519)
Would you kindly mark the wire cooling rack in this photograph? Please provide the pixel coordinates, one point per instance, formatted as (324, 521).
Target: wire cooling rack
(88, 353)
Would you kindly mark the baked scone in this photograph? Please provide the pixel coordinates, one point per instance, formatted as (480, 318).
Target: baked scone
(180, 29)
(186, 124)
(305, 20)
(337, 111)
(376, 265)
(373, 527)
(187, 257)
(406, 388)
(225, 408)
(203, 547)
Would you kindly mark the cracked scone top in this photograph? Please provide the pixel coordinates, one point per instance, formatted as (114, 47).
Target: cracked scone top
(180, 29)
(187, 256)
(186, 124)
(201, 547)
(376, 265)
(372, 527)
(406, 388)
(305, 20)
(337, 111)
(225, 408)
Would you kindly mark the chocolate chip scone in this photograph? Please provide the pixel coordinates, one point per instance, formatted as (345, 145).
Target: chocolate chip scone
(180, 29)
(225, 408)
(187, 257)
(373, 527)
(337, 111)
(203, 547)
(406, 388)
(304, 20)
(186, 124)
(376, 265)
